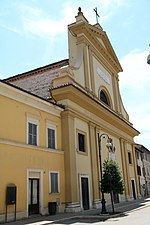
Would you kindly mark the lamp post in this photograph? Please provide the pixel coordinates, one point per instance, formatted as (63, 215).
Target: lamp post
(148, 59)
(109, 145)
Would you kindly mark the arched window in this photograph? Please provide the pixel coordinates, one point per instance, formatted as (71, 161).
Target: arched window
(104, 98)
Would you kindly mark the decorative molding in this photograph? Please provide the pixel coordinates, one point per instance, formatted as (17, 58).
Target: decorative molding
(83, 30)
(32, 147)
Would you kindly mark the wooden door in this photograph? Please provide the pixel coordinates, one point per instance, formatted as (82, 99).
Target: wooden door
(85, 192)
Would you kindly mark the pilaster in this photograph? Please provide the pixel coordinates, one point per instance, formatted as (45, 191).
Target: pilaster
(86, 67)
(135, 172)
(124, 169)
(116, 93)
(94, 165)
(68, 142)
(91, 70)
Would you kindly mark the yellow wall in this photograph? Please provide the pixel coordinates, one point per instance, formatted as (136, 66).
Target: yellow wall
(17, 158)
(13, 121)
(15, 161)
(83, 159)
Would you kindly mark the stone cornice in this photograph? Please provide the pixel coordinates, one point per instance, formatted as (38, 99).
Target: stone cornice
(93, 104)
(31, 147)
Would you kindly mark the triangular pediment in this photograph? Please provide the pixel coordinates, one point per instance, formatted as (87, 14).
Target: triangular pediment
(103, 39)
(96, 37)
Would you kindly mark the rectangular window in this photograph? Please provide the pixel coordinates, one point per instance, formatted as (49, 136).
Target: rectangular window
(54, 182)
(139, 170)
(141, 156)
(32, 134)
(32, 129)
(129, 158)
(81, 141)
(145, 156)
(51, 134)
(144, 174)
(51, 138)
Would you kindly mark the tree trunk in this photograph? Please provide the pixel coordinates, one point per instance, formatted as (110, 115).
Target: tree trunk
(112, 202)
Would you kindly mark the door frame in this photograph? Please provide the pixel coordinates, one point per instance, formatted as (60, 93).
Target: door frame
(80, 183)
(34, 207)
(133, 188)
(35, 174)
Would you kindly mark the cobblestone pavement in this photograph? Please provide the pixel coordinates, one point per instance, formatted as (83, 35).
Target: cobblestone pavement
(91, 215)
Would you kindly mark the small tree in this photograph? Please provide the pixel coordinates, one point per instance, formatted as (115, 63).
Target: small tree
(112, 181)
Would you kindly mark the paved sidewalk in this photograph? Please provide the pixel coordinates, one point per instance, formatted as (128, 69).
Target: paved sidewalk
(120, 209)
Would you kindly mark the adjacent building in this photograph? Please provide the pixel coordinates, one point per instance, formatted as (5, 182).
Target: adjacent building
(140, 169)
(143, 168)
(146, 162)
(70, 104)
(31, 155)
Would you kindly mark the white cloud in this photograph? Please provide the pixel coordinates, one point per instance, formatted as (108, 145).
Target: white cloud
(135, 69)
(35, 21)
(12, 29)
(106, 8)
(112, 4)
(134, 85)
(27, 10)
(44, 28)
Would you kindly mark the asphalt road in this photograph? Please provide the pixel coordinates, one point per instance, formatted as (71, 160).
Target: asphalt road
(139, 216)
(136, 217)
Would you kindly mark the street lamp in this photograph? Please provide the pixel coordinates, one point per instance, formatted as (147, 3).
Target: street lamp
(110, 147)
(148, 59)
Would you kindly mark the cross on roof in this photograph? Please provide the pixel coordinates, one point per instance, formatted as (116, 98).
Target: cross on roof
(97, 15)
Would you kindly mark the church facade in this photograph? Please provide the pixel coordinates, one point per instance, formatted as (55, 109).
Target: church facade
(86, 88)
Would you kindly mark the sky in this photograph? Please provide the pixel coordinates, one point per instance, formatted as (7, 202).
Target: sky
(33, 33)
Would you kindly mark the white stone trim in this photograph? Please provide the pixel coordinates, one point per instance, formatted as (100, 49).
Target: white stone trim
(33, 120)
(51, 125)
(58, 173)
(36, 173)
(32, 147)
(96, 203)
(136, 193)
(73, 207)
(80, 189)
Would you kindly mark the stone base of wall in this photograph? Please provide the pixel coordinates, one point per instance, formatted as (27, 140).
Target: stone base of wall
(11, 216)
(97, 204)
(61, 208)
(73, 207)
